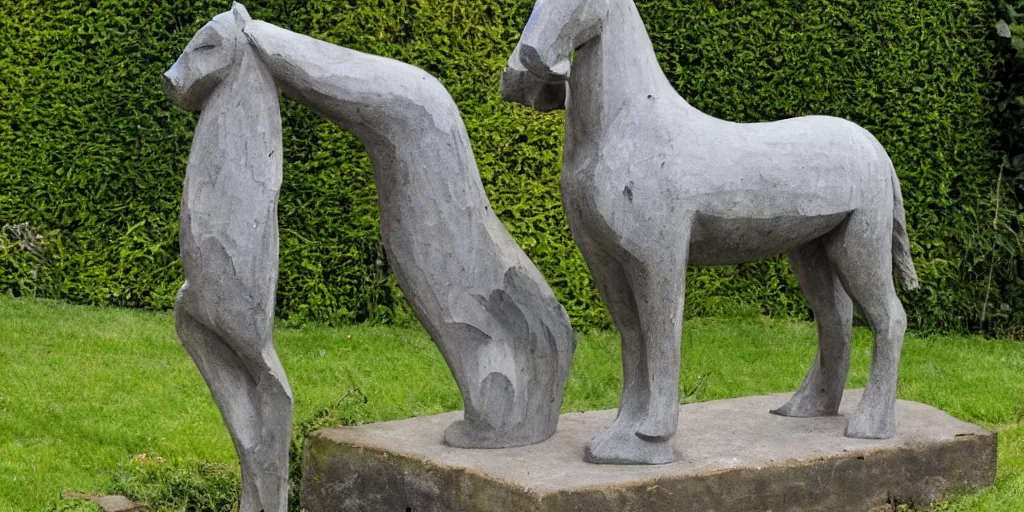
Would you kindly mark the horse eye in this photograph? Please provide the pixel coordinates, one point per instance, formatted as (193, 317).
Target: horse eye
(205, 47)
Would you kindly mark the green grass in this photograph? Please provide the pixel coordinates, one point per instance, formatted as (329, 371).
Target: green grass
(83, 389)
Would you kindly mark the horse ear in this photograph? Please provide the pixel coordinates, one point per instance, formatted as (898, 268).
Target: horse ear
(241, 14)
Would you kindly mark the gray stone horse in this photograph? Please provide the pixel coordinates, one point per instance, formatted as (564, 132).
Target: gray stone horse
(224, 313)
(651, 184)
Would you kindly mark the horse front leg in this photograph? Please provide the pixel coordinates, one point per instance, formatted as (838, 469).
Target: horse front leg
(657, 280)
(618, 444)
(659, 287)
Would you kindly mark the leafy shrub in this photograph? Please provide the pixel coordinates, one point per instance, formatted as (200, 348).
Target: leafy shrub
(92, 152)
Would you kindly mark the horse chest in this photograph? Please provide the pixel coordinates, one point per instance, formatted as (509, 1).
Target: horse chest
(231, 187)
(586, 188)
(606, 205)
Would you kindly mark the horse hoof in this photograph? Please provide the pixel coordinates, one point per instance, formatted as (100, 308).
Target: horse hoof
(801, 407)
(463, 434)
(620, 447)
(660, 427)
(866, 427)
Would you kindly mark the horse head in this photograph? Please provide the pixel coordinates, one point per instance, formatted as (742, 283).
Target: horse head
(208, 58)
(540, 65)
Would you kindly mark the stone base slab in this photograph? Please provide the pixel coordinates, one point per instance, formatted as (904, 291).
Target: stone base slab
(732, 455)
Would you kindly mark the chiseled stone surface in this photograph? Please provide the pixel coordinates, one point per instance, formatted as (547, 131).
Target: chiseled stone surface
(650, 184)
(224, 313)
(501, 330)
(731, 455)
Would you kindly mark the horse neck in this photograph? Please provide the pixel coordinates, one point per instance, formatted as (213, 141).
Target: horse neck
(608, 71)
(333, 81)
(246, 99)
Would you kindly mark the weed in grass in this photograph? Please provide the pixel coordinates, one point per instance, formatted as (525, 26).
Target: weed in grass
(204, 486)
(695, 393)
(73, 506)
(175, 486)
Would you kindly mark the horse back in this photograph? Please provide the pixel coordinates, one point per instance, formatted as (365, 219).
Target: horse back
(743, 191)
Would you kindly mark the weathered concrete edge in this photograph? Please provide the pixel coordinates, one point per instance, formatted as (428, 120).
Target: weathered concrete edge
(399, 481)
(919, 475)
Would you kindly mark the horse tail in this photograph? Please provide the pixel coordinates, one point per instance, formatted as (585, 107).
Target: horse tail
(901, 258)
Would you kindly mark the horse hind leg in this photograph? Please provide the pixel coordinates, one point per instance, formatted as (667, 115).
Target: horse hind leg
(251, 391)
(861, 253)
(822, 389)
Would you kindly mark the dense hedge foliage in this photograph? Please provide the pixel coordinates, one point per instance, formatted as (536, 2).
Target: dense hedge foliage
(92, 155)
(1010, 115)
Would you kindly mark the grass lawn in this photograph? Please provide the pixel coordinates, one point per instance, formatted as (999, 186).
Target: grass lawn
(84, 389)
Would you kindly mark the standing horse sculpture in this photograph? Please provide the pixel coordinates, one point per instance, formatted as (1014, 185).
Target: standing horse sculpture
(505, 337)
(224, 313)
(651, 184)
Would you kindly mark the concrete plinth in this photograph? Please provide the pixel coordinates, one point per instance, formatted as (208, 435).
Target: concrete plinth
(732, 455)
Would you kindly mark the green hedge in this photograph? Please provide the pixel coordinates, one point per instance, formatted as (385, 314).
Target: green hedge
(92, 156)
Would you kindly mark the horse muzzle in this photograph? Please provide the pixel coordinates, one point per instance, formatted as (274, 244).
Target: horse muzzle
(519, 85)
(172, 85)
(188, 94)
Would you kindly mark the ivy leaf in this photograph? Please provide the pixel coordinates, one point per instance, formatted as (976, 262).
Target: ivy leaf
(1003, 29)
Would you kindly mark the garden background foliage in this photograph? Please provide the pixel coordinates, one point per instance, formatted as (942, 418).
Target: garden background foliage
(92, 155)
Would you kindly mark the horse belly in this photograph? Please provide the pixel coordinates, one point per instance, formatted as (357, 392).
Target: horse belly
(728, 241)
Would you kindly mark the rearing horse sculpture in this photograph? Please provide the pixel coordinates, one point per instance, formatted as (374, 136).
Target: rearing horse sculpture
(651, 184)
(505, 337)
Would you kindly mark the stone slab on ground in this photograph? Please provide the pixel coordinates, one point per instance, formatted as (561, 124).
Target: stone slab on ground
(116, 503)
(732, 455)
